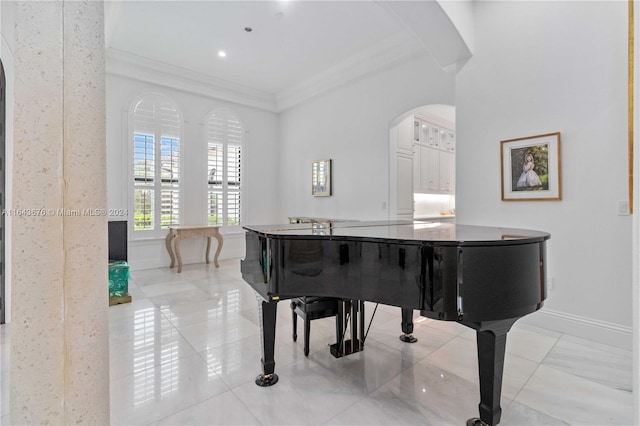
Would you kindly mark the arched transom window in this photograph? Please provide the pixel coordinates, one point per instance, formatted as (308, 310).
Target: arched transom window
(156, 138)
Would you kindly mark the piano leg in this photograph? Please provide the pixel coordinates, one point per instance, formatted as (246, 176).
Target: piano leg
(407, 326)
(295, 321)
(492, 340)
(268, 329)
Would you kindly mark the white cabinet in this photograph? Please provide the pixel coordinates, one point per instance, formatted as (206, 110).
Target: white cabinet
(429, 170)
(433, 159)
(422, 160)
(405, 136)
(433, 131)
(447, 172)
(401, 170)
(404, 195)
(448, 139)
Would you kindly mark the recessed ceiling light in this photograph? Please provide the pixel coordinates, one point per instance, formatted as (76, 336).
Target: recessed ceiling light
(248, 29)
(222, 53)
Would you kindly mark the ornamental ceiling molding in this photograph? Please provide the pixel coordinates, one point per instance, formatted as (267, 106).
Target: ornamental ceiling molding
(390, 52)
(134, 67)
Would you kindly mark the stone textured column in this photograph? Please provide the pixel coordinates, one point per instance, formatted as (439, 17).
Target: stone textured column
(59, 329)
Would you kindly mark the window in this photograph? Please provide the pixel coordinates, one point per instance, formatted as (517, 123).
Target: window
(224, 133)
(157, 128)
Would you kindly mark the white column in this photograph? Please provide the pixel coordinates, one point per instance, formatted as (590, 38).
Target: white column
(635, 282)
(59, 330)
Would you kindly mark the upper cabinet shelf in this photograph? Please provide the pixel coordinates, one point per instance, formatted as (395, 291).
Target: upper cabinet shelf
(433, 158)
(432, 135)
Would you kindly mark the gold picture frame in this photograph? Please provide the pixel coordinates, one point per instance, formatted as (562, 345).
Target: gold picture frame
(321, 178)
(531, 168)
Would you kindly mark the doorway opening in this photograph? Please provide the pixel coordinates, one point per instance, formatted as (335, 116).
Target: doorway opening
(422, 150)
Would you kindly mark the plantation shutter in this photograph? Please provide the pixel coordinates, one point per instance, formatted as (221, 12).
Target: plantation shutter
(144, 124)
(170, 127)
(157, 127)
(224, 168)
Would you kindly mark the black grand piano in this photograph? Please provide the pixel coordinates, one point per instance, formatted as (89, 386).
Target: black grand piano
(483, 277)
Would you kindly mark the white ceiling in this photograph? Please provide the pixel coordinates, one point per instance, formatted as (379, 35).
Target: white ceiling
(291, 41)
(296, 49)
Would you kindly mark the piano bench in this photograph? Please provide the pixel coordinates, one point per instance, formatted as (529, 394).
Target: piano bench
(310, 308)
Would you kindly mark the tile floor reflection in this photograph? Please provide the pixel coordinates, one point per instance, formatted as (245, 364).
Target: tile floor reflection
(187, 349)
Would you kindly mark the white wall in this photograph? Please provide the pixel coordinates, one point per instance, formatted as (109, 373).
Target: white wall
(461, 14)
(350, 125)
(260, 156)
(542, 67)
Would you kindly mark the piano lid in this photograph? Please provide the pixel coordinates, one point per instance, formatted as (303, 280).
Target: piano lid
(439, 233)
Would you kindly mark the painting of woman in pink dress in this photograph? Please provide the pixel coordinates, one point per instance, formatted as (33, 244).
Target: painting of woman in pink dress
(529, 178)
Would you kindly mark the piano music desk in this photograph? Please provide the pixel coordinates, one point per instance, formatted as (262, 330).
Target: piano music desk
(179, 233)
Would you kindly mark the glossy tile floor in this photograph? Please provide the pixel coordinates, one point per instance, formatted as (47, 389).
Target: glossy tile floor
(187, 349)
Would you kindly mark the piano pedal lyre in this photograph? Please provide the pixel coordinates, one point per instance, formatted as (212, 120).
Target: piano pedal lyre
(346, 348)
(350, 316)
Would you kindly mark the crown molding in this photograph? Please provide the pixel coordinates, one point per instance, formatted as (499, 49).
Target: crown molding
(124, 64)
(369, 61)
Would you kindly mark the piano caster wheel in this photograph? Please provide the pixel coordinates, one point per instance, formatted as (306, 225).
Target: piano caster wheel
(476, 422)
(408, 338)
(264, 380)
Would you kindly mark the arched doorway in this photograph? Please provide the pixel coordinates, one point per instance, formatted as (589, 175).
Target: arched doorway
(422, 146)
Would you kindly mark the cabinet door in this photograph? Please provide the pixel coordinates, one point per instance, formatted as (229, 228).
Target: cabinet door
(451, 141)
(444, 140)
(405, 135)
(447, 171)
(430, 169)
(425, 133)
(404, 188)
(417, 168)
(434, 135)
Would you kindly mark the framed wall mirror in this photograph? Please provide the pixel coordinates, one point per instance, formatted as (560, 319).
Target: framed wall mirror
(321, 178)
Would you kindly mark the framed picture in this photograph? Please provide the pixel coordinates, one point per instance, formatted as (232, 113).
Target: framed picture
(321, 178)
(531, 168)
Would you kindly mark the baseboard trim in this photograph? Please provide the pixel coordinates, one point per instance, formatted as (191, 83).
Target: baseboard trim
(587, 328)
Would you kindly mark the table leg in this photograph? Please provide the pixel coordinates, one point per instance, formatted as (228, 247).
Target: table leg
(206, 256)
(178, 254)
(218, 250)
(167, 241)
